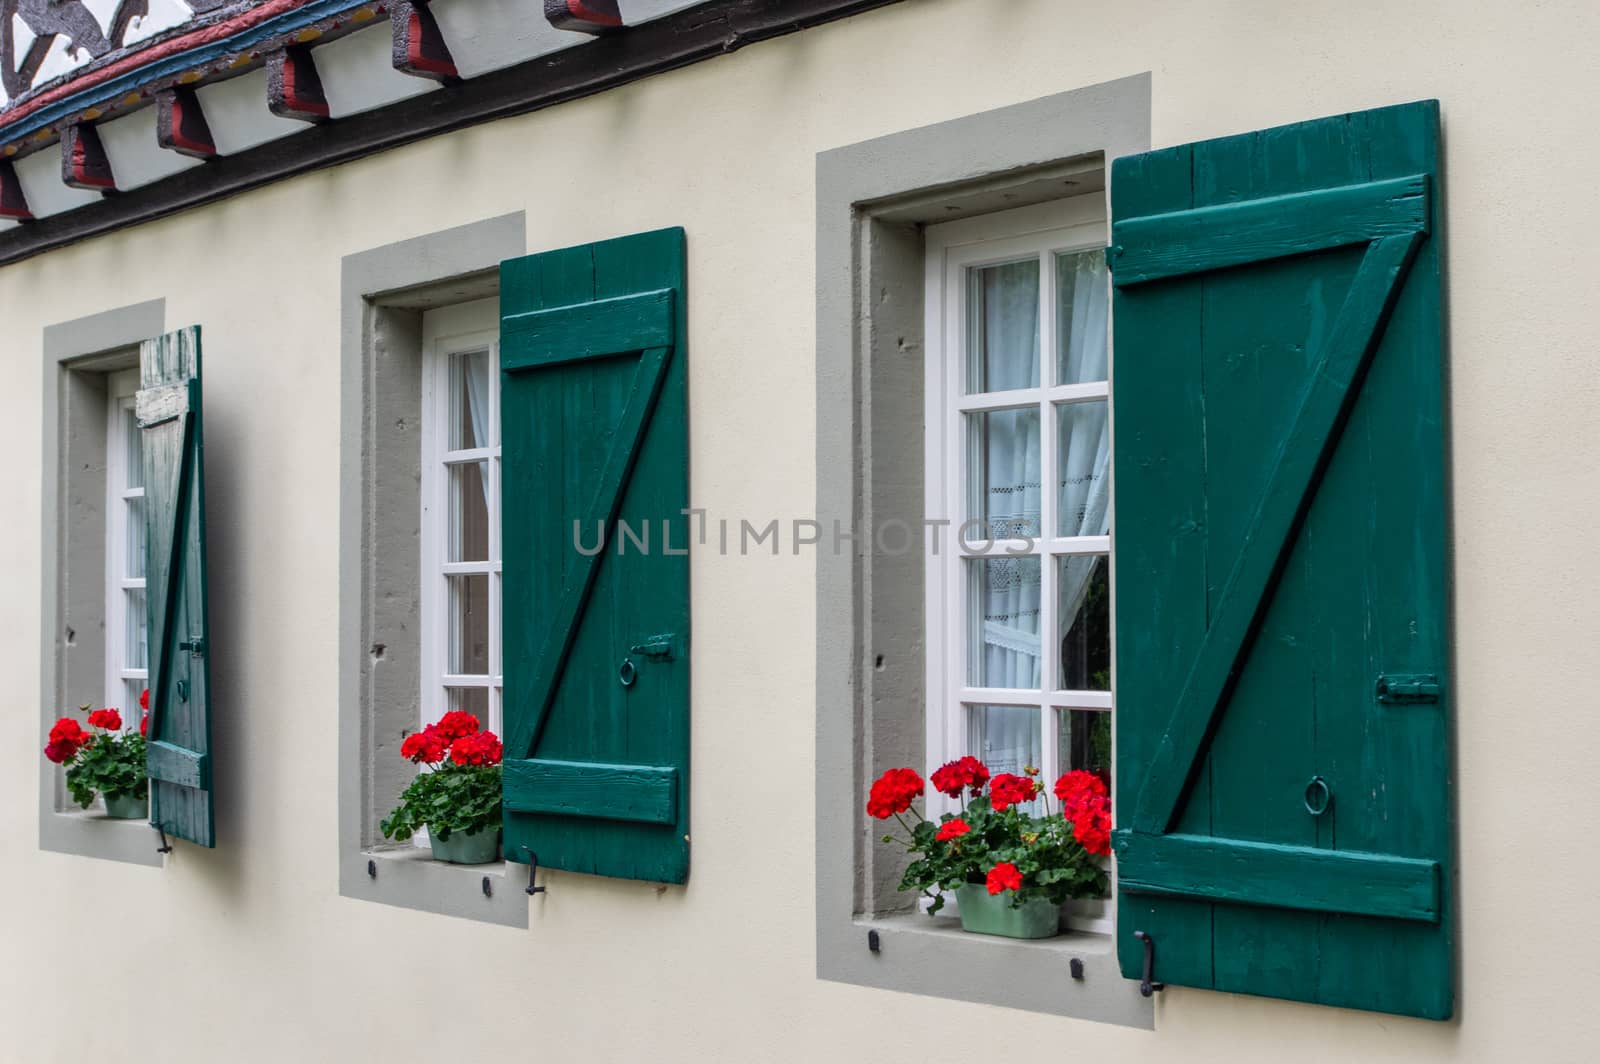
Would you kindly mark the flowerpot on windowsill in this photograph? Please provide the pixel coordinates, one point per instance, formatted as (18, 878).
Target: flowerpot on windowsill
(992, 914)
(477, 847)
(128, 806)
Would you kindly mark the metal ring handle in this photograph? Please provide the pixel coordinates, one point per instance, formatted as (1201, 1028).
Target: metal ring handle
(628, 673)
(1318, 796)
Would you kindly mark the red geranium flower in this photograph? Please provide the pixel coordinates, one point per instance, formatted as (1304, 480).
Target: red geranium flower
(109, 719)
(144, 724)
(893, 792)
(425, 747)
(1076, 788)
(144, 699)
(1003, 877)
(952, 829)
(1092, 827)
(1007, 790)
(952, 778)
(67, 737)
(456, 724)
(482, 748)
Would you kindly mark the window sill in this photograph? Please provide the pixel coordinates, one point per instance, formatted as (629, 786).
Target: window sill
(409, 877)
(932, 955)
(90, 833)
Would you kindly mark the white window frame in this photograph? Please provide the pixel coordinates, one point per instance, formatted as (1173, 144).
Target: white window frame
(122, 387)
(447, 331)
(951, 249)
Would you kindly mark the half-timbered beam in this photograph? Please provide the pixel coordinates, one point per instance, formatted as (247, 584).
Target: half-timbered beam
(13, 204)
(584, 16)
(419, 47)
(83, 159)
(181, 124)
(294, 89)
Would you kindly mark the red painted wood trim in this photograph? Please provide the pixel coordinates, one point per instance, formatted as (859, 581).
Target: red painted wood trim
(419, 46)
(181, 125)
(294, 88)
(202, 36)
(83, 160)
(13, 204)
(584, 16)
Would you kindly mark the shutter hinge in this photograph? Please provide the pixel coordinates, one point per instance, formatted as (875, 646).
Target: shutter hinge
(1113, 252)
(657, 646)
(1407, 689)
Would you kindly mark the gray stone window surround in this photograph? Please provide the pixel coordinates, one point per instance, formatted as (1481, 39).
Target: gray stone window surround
(873, 200)
(78, 357)
(384, 293)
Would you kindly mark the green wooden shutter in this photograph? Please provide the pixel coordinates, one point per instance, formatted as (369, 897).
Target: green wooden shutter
(595, 436)
(1281, 564)
(179, 751)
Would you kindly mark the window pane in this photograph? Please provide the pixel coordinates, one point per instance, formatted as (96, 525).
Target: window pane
(135, 655)
(133, 565)
(1084, 612)
(1083, 458)
(131, 712)
(1003, 622)
(133, 450)
(1003, 327)
(1085, 741)
(469, 401)
(474, 700)
(1081, 308)
(1006, 738)
(469, 512)
(469, 624)
(1003, 474)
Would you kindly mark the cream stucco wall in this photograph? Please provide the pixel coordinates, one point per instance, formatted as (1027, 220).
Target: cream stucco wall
(249, 952)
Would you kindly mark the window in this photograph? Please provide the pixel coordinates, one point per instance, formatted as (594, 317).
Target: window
(460, 494)
(1018, 463)
(127, 640)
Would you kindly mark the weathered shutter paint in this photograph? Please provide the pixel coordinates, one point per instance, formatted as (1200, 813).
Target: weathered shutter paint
(594, 434)
(179, 752)
(1281, 549)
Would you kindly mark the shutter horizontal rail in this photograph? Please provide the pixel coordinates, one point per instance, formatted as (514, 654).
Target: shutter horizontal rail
(175, 765)
(1287, 877)
(588, 330)
(642, 793)
(1159, 246)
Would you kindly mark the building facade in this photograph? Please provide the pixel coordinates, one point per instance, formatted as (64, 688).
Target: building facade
(727, 402)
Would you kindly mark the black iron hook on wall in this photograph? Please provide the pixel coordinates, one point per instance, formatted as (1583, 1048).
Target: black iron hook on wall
(533, 871)
(1146, 986)
(165, 847)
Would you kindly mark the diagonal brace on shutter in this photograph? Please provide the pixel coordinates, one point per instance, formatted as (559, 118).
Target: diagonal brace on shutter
(1296, 473)
(579, 581)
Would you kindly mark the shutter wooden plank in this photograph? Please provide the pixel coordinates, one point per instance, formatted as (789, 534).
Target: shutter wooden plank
(178, 753)
(1241, 887)
(602, 327)
(174, 764)
(1333, 385)
(594, 430)
(610, 792)
(1211, 238)
(1289, 877)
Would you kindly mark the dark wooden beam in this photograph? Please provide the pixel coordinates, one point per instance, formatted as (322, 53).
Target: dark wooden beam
(294, 88)
(83, 159)
(181, 124)
(13, 204)
(584, 16)
(702, 32)
(419, 47)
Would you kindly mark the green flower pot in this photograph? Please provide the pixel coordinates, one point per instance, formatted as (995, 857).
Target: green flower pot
(992, 914)
(128, 807)
(478, 847)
